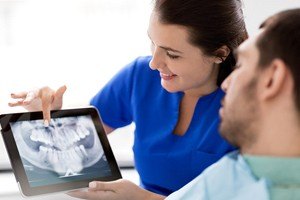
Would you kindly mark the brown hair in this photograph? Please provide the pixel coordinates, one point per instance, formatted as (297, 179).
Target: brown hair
(211, 23)
(281, 39)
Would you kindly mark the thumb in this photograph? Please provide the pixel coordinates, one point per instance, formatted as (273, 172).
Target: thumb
(105, 186)
(58, 97)
(60, 91)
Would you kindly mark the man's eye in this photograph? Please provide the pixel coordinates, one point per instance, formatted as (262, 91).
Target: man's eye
(237, 66)
(172, 56)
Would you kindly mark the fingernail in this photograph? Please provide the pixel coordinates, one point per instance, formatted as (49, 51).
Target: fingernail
(46, 123)
(92, 185)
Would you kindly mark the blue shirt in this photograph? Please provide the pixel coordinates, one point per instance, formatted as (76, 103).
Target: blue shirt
(245, 177)
(164, 160)
(230, 178)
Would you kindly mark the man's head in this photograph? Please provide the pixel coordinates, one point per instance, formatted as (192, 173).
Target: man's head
(281, 39)
(263, 93)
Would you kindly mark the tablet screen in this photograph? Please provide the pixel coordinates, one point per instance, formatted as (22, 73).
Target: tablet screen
(69, 153)
(67, 150)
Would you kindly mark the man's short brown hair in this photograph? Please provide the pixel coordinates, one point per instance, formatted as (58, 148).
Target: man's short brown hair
(281, 39)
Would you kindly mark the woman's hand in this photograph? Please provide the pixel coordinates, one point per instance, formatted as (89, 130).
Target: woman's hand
(44, 99)
(114, 190)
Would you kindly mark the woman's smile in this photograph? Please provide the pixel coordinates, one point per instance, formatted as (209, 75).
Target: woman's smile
(167, 76)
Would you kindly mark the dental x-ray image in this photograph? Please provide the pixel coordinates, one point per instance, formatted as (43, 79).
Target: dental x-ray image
(67, 150)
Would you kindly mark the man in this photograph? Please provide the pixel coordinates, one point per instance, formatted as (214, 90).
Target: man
(260, 115)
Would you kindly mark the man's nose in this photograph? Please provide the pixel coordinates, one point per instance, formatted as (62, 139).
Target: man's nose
(226, 83)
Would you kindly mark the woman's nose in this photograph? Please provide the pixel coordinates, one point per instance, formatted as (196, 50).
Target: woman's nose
(157, 61)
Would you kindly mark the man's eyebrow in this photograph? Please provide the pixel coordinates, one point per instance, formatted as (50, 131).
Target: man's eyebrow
(165, 48)
(235, 53)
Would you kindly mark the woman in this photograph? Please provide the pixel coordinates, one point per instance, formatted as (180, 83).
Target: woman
(174, 103)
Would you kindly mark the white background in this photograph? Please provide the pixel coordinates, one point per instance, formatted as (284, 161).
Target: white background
(82, 43)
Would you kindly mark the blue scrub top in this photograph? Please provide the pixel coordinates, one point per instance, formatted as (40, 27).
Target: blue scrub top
(164, 161)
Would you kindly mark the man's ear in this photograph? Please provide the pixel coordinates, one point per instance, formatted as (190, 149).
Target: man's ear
(274, 79)
(221, 54)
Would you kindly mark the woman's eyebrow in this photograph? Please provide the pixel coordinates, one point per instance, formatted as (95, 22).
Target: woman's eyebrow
(165, 48)
(170, 49)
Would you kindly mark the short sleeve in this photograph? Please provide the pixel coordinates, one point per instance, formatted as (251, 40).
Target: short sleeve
(113, 101)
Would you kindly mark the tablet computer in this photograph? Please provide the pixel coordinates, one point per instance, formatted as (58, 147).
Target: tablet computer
(72, 151)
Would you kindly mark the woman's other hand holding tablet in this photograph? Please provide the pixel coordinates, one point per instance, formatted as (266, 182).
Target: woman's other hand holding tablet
(114, 190)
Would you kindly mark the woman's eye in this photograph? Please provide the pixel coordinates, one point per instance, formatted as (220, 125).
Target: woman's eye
(172, 56)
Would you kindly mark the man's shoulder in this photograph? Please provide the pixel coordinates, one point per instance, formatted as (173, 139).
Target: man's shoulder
(233, 176)
(229, 178)
(229, 166)
(229, 162)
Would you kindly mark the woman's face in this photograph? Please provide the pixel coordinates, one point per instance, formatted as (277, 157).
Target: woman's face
(182, 66)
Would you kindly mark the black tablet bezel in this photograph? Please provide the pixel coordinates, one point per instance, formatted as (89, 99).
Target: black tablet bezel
(16, 162)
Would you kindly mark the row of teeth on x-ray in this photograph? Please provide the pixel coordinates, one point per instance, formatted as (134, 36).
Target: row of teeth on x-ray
(50, 138)
(74, 154)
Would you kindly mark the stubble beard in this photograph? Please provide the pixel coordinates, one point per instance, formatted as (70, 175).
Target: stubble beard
(239, 126)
